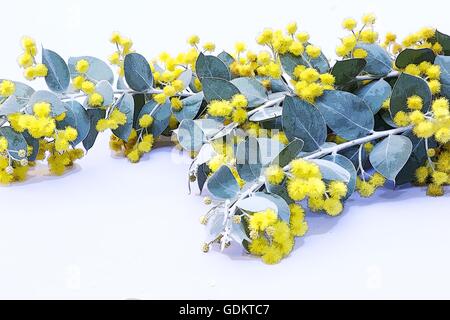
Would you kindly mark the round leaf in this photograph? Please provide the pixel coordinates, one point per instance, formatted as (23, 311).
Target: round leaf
(379, 62)
(190, 135)
(303, 121)
(211, 66)
(218, 89)
(414, 56)
(406, 86)
(58, 76)
(390, 155)
(98, 69)
(222, 184)
(126, 106)
(137, 72)
(346, 114)
(374, 94)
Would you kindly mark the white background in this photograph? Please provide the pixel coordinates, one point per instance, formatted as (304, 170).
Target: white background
(109, 229)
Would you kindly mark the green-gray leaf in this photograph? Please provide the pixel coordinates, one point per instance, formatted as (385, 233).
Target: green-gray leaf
(379, 62)
(212, 67)
(390, 155)
(137, 72)
(406, 86)
(94, 116)
(252, 89)
(347, 164)
(98, 69)
(190, 135)
(346, 114)
(248, 159)
(346, 70)
(374, 94)
(126, 106)
(332, 171)
(414, 56)
(16, 142)
(289, 153)
(218, 89)
(191, 107)
(58, 76)
(222, 184)
(304, 121)
(57, 106)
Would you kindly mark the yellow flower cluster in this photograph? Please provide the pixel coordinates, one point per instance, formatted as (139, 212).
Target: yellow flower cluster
(347, 48)
(7, 88)
(271, 237)
(58, 161)
(252, 64)
(225, 156)
(436, 172)
(27, 60)
(310, 84)
(82, 83)
(366, 188)
(434, 123)
(234, 110)
(123, 47)
(39, 124)
(135, 147)
(116, 118)
(306, 181)
(422, 39)
(430, 72)
(10, 170)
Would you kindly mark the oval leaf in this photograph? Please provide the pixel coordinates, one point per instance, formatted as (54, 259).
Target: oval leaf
(345, 163)
(218, 89)
(390, 155)
(379, 62)
(374, 94)
(406, 86)
(414, 56)
(252, 89)
(137, 72)
(94, 115)
(211, 66)
(190, 135)
(58, 76)
(222, 184)
(304, 121)
(345, 71)
(191, 107)
(289, 153)
(16, 142)
(98, 69)
(332, 171)
(248, 159)
(126, 106)
(346, 114)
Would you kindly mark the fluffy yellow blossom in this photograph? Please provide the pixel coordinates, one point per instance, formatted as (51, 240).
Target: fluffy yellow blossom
(313, 51)
(41, 109)
(414, 102)
(337, 189)
(145, 121)
(193, 40)
(239, 101)
(82, 66)
(360, 53)
(7, 88)
(220, 108)
(291, 28)
(349, 24)
(95, 100)
(274, 174)
(368, 19)
(259, 221)
(209, 46)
